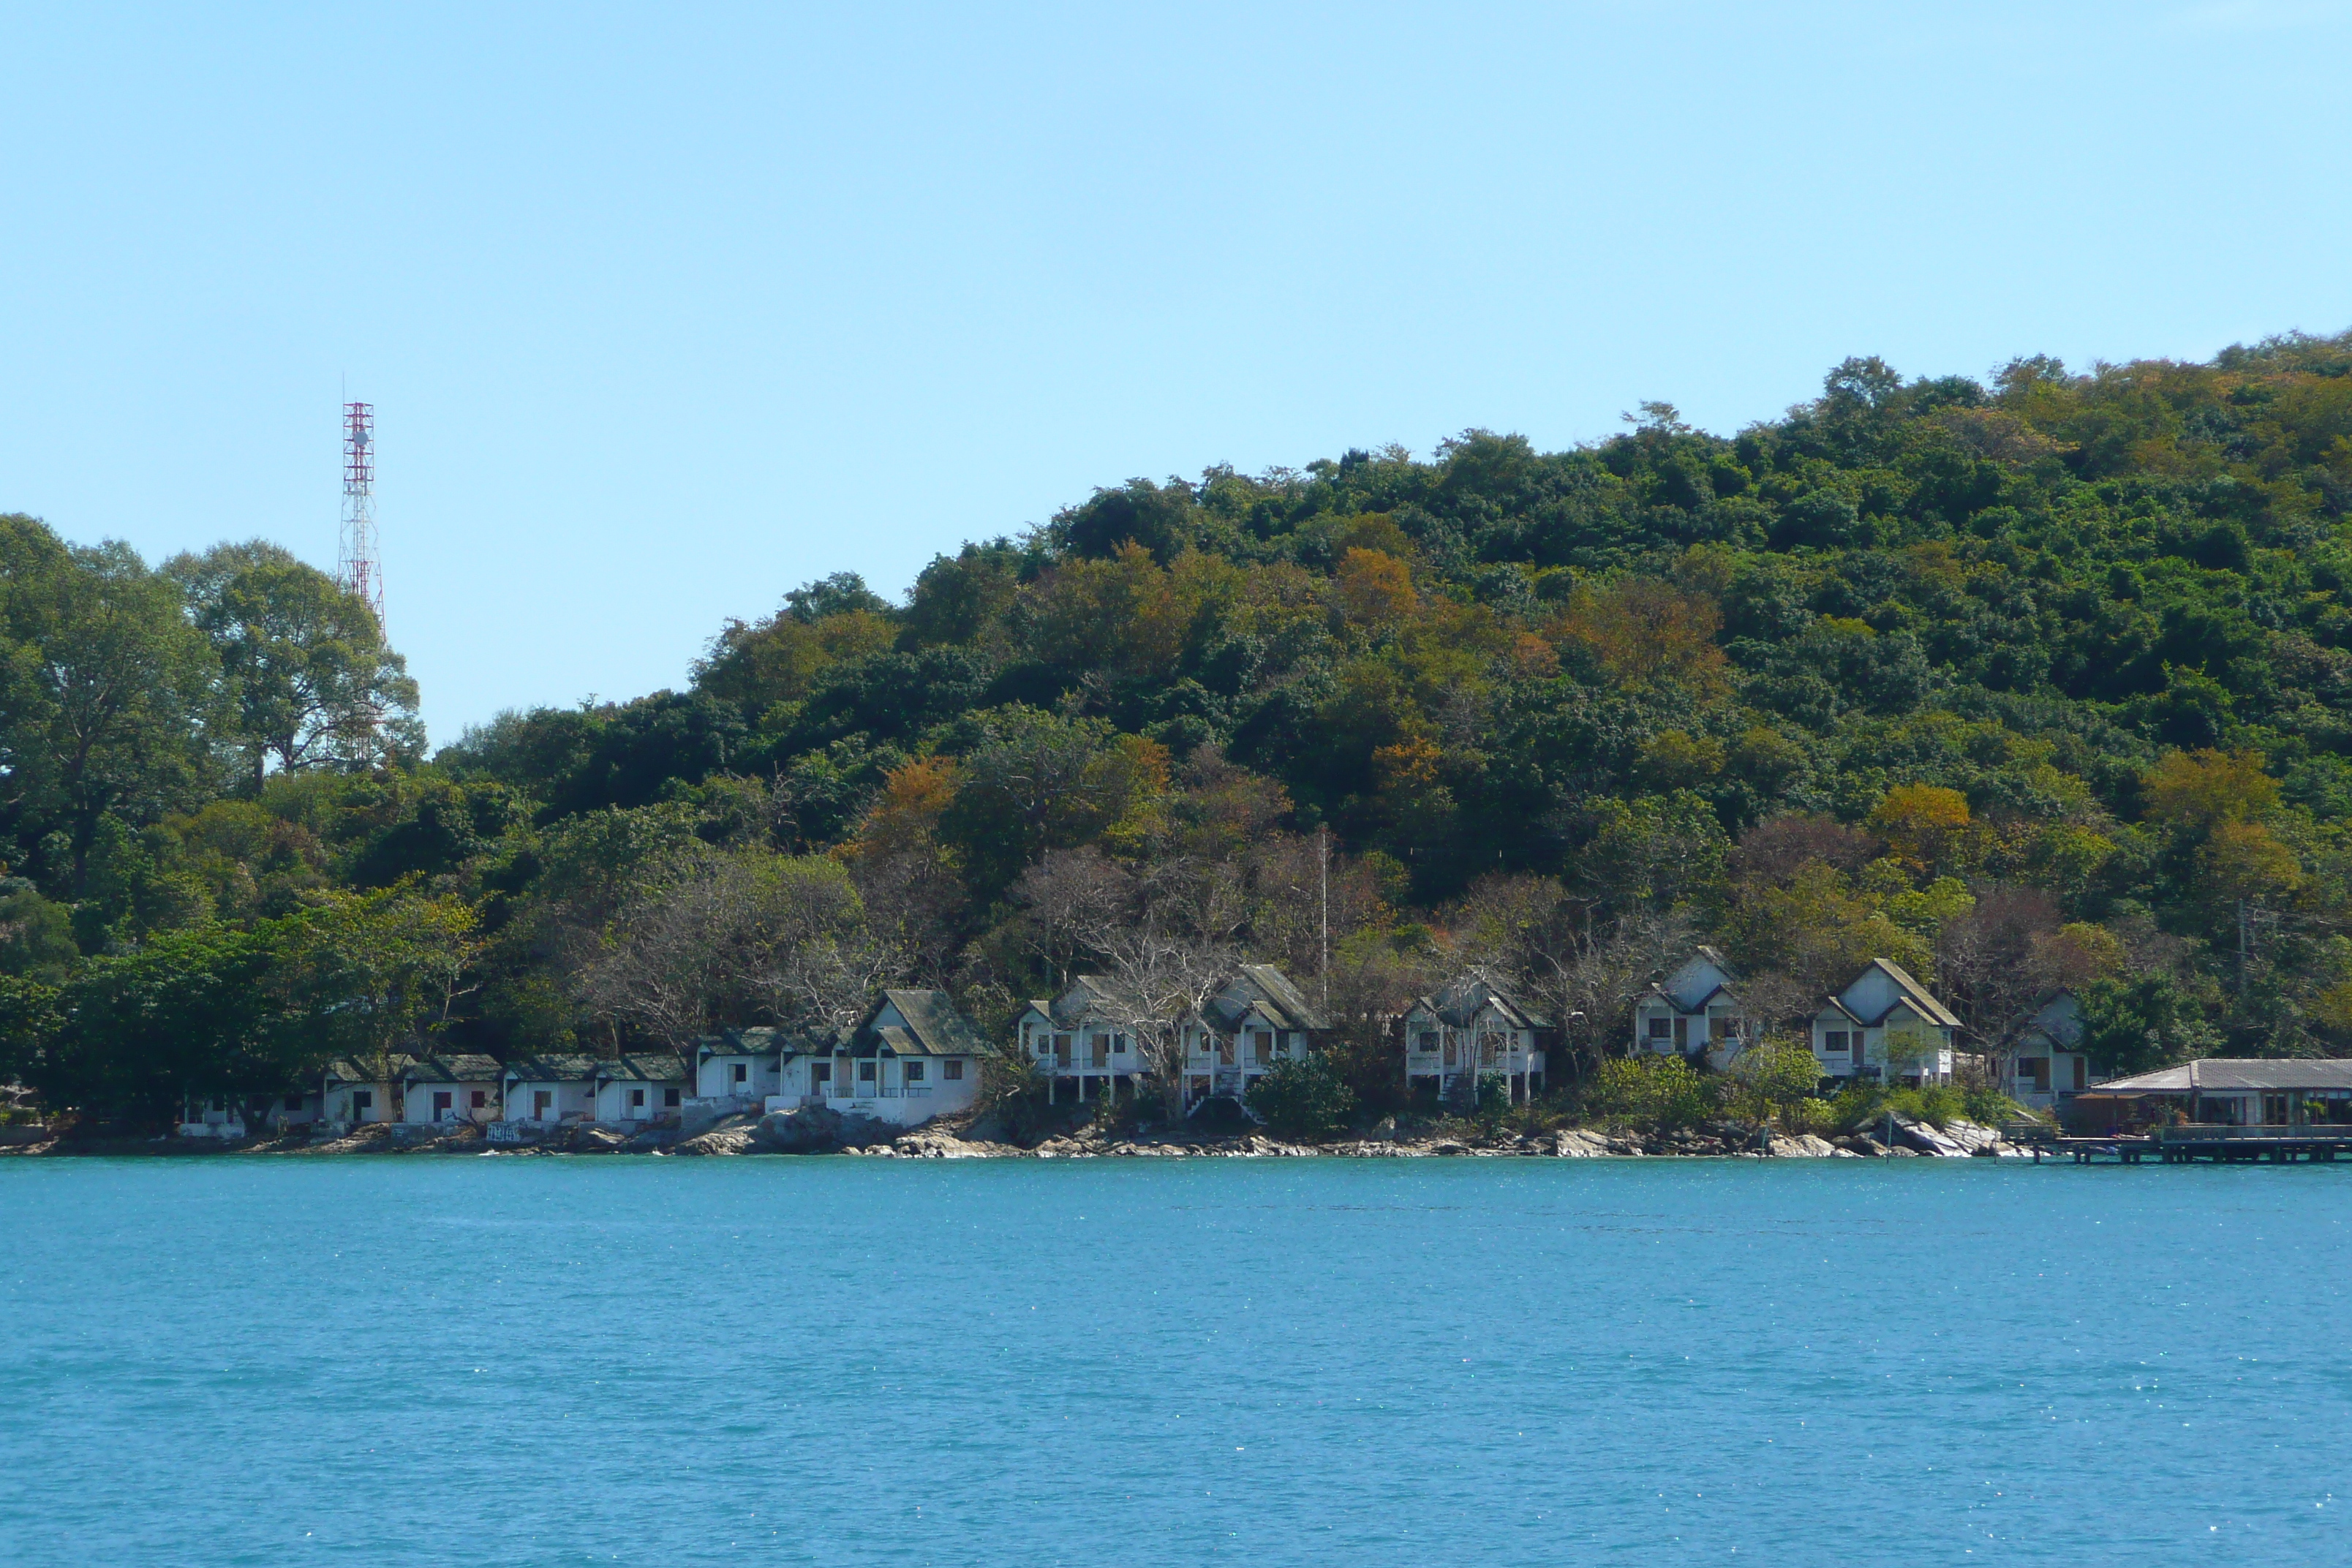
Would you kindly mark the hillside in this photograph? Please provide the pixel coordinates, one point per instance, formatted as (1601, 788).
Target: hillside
(2046, 681)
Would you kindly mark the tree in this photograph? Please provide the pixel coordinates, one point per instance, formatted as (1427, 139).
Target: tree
(104, 687)
(382, 970)
(307, 678)
(1302, 1098)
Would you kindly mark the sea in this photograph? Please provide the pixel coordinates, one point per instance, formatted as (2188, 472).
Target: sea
(664, 1361)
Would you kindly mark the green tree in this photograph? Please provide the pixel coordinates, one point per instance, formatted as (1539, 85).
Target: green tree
(104, 687)
(1305, 1099)
(307, 678)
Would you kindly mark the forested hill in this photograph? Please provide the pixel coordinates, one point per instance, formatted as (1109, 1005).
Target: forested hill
(2042, 681)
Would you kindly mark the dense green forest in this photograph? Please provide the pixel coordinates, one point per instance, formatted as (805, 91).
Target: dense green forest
(2046, 681)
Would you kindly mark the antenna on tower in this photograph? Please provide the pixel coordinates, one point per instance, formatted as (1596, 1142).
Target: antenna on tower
(359, 566)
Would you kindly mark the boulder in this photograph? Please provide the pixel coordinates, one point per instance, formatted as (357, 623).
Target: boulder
(597, 1140)
(1805, 1146)
(816, 1129)
(735, 1139)
(1577, 1144)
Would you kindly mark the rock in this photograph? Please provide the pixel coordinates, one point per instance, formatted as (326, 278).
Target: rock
(718, 1141)
(1579, 1144)
(1805, 1146)
(596, 1141)
(815, 1129)
(1868, 1149)
(1925, 1138)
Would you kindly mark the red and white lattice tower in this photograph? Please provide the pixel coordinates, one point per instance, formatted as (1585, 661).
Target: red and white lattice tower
(361, 568)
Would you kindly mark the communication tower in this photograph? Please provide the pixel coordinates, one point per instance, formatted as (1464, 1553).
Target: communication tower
(361, 569)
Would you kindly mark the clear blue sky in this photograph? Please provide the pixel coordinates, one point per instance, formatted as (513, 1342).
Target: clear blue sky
(666, 310)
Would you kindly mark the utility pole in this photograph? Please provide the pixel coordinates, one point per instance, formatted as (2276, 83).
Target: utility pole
(1323, 876)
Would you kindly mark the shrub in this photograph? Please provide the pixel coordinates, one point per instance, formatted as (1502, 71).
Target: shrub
(1660, 1092)
(1304, 1098)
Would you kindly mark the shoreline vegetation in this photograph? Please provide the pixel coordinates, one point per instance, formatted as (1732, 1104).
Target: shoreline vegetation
(2035, 684)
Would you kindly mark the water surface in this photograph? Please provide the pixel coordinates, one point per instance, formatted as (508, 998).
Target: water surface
(533, 1361)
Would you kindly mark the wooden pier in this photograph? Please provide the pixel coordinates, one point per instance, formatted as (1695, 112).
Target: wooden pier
(2184, 1145)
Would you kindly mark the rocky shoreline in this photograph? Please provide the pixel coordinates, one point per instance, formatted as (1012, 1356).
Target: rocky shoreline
(824, 1131)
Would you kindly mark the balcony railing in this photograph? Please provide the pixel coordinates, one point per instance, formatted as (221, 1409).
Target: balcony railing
(2271, 1132)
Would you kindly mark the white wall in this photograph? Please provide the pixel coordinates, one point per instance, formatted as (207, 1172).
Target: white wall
(569, 1101)
(419, 1102)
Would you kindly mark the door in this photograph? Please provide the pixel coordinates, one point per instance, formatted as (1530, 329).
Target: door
(441, 1100)
(541, 1101)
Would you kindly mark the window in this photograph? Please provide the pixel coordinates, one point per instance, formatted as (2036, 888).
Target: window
(952, 1070)
(742, 1071)
(1661, 1026)
(669, 1099)
(362, 1099)
(1119, 1045)
(1425, 1042)
(2033, 1072)
(481, 1099)
(820, 1072)
(441, 1100)
(636, 1099)
(865, 1071)
(1833, 1042)
(913, 1072)
(2274, 1111)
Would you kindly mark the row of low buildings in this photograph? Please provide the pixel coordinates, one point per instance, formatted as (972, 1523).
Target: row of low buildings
(1883, 1025)
(914, 1057)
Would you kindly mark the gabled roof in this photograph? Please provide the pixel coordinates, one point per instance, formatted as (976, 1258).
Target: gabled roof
(2227, 1075)
(452, 1067)
(1908, 990)
(1461, 1000)
(1659, 992)
(1269, 990)
(652, 1067)
(561, 1067)
(934, 1027)
(352, 1070)
(761, 1041)
(1086, 996)
(768, 1041)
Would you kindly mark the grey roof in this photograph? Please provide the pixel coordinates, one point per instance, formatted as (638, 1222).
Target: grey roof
(1909, 990)
(1464, 998)
(767, 1041)
(2226, 1075)
(1085, 994)
(349, 1069)
(934, 1027)
(1270, 990)
(650, 1067)
(452, 1067)
(563, 1068)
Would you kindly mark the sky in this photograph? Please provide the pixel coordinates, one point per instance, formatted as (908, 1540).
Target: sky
(666, 310)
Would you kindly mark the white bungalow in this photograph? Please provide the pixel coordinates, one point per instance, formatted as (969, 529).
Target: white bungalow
(354, 1092)
(296, 1108)
(460, 1085)
(1074, 1039)
(1257, 1019)
(222, 1118)
(1693, 1011)
(640, 1089)
(1885, 1026)
(2043, 1066)
(914, 1057)
(549, 1090)
(737, 1070)
(1470, 1030)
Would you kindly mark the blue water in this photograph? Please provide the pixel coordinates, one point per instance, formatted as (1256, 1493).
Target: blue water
(421, 1360)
